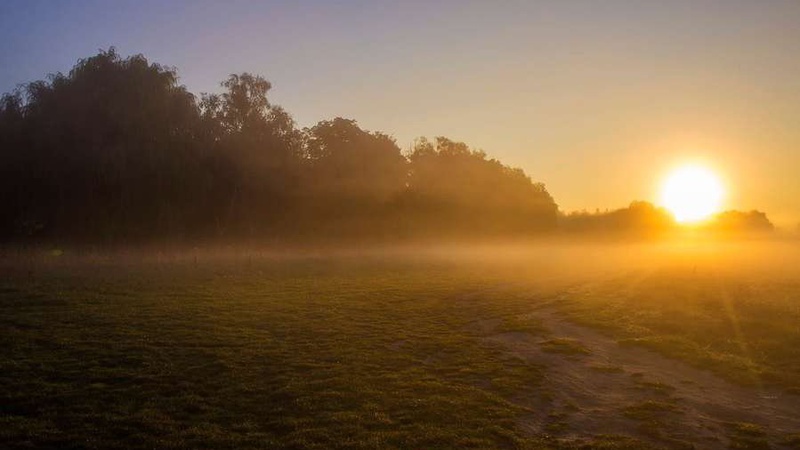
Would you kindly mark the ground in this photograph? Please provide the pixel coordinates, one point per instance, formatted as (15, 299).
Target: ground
(486, 348)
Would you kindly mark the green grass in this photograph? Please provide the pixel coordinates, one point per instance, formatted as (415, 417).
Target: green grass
(743, 328)
(606, 368)
(648, 409)
(655, 387)
(565, 346)
(652, 416)
(315, 354)
(355, 352)
(522, 324)
(748, 436)
(791, 441)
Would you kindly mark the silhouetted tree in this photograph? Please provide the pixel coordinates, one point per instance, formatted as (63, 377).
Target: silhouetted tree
(346, 161)
(456, 188)
(117, 150)
(639, 218)
(258, 146)
(105, 148)
(740, 222)
(13, 146)
(351, 177)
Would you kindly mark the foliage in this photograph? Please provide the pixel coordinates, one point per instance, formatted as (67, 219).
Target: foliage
(737, 221)
(477, 191)
(639, 217)
(117, 151)
(645, 219)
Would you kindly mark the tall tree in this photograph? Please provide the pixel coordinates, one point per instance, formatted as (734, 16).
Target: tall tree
(458, 187)
(260, 145)
(357, 165)
(97, 160)
(117, 150)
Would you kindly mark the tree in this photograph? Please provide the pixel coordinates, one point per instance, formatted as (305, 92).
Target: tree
(117, 150)
(358, 165)
(458, 187)
(242, 107)
(258, 145)
(741, 222)
(105, 149)
(351, 179)
(639, 218)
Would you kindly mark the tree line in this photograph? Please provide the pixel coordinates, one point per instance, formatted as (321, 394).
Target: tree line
(643, 219)
(118, 151)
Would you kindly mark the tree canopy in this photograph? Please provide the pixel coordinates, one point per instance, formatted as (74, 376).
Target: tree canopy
(118, 151)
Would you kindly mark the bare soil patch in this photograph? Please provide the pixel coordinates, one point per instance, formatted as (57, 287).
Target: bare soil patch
(606, 388)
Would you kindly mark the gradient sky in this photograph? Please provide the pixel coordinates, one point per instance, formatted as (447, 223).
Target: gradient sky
(597, 99)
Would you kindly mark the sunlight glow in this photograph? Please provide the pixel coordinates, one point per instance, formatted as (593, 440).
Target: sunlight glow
(692, 194)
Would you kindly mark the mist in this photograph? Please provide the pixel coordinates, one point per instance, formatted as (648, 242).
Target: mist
(185, 270)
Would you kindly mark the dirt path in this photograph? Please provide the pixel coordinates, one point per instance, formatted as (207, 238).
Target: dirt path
(594, 386)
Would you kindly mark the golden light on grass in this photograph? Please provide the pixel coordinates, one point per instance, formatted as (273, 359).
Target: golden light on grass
(692, 193)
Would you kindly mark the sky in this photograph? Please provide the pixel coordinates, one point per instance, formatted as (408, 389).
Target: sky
(597, 99)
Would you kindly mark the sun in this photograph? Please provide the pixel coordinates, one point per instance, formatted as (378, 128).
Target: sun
(692, 193)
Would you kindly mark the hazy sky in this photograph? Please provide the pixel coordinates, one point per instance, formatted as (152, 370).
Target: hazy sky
(597, 99)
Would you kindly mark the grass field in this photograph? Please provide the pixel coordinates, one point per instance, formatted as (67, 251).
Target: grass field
(400, 350)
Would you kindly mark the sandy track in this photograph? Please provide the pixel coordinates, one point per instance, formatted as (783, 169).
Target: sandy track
(626, 390)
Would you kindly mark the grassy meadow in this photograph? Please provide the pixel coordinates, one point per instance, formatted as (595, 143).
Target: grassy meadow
(444, 348)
